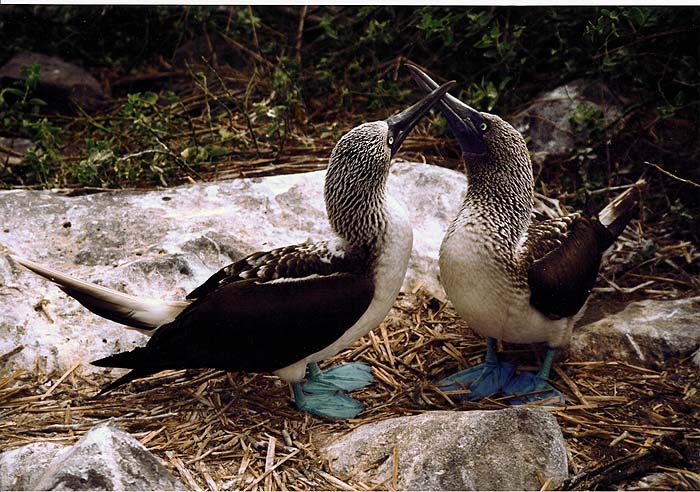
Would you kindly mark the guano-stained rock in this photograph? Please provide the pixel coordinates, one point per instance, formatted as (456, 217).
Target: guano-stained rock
(162, 244)
(646, 332)
(20, 467)
(105, 458)
(479, 450)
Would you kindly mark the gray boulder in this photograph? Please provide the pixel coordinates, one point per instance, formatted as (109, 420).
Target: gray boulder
(478, 450)
(163, 244)
(645, 333)
(12, 151)
(546, 121)
(106, 458)
(60, 82)
(20, 467)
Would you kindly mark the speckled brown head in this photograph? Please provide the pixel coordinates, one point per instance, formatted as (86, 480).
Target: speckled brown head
(499, 172)
(491, 146)
(359, 166)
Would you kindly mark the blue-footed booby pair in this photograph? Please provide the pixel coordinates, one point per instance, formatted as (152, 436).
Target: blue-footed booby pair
(512, 278)
(288, 308)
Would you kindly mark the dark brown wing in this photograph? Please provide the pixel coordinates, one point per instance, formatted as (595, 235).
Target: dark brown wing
(290, 262)
(254, 326)
(564, 256)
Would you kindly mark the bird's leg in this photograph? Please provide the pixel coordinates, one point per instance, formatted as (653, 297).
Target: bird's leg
(346, 377)
(483, 380)
(332, 404)
(537, 384)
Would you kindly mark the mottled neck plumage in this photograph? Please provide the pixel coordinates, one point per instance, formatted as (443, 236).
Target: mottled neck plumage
(357, 216)
(355, 186)
(499, 197)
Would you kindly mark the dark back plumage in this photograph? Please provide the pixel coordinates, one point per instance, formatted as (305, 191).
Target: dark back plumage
(251, 326)
(289, 262)
(562, 258)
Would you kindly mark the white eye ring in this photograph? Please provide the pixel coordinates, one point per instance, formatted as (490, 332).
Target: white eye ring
(390, 140)
(484, 127)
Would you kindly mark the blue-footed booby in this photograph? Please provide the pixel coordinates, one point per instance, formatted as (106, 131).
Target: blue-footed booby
(510, 277)
(289, 308)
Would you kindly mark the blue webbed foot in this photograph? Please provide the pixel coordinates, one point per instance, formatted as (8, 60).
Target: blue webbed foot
(537, 384)
(525, 383)
(347, 377)
(482, 381)
(333, 404)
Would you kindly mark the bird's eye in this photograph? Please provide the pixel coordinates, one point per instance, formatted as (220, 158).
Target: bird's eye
(390, 140)
(484, 126)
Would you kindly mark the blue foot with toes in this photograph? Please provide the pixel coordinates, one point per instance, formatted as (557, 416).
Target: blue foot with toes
(483, 380)
(323, 394)
(527, 387)
(347, 377)
(332, 404)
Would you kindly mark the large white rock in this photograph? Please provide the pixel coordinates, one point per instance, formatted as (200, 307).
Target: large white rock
(164, 243)
(511, 449)
(646, 332)
(20, 467)
(105, 458)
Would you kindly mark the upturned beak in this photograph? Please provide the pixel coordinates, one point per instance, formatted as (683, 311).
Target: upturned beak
(464, 120)
(401, 124)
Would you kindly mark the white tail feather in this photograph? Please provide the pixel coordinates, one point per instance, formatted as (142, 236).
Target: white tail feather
(140, 314)
(621, 209)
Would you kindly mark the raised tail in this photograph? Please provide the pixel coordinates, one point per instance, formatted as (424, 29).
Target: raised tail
(617, 214)
(143, 315)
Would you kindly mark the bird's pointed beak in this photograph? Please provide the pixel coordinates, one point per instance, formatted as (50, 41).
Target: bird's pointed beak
(464, 120)
(401, 124)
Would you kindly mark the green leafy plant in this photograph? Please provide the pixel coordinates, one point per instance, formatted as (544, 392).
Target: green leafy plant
(586, 122)
(17, 102)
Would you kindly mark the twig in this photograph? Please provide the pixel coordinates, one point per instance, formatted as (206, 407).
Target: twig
(11, 353)
(627, 467)
(204, 87)
(574, 388)
(611, 188)
(269, 461)
(144, 152)
(92, 120)
(641, 40)
(547, 483)
(245, 113)
(254, 30)
(671, 175)
(177, 158)
(619, 438)
(12, 152)
(300, 32)
(273, 468)
(243, 110)
(60, 380)
(247, 50)
(184, 472)
(335, 481)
